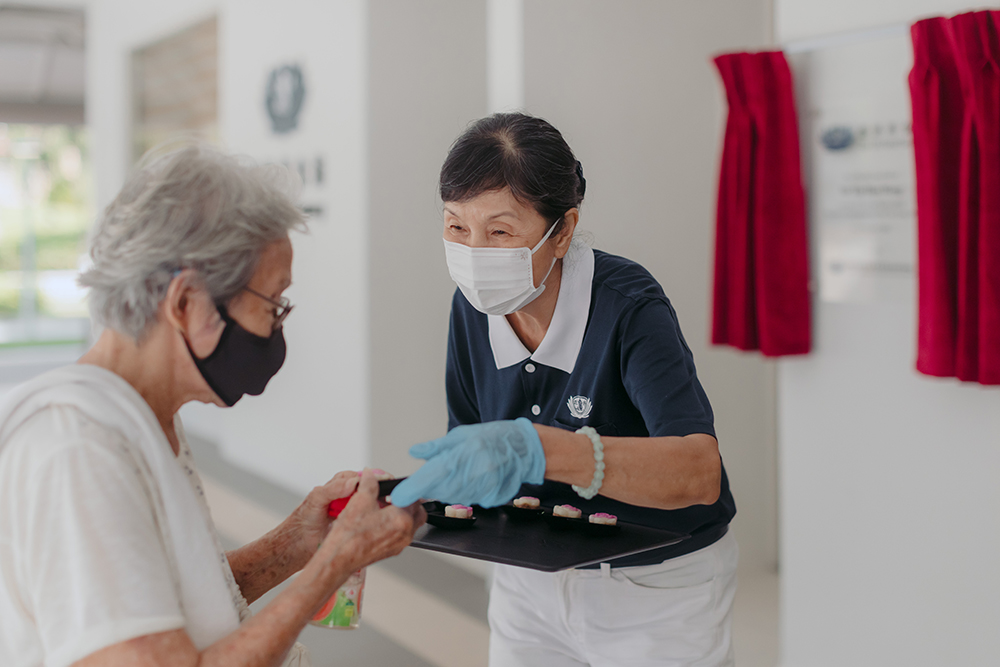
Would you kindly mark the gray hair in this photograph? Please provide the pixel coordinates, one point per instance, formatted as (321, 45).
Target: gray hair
(191, 206)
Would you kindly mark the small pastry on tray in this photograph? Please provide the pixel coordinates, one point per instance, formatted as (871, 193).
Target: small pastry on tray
(453, 517)
(601, 523)
(566, 512)
(563, 517)
(458, 511)
(525, 508)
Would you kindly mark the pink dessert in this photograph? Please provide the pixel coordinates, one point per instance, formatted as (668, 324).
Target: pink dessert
(458, 511)
(526, 502)
(604, 519)
(567, 512)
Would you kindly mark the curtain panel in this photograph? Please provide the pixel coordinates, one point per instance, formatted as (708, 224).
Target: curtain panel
(955, 93)
(761, 290)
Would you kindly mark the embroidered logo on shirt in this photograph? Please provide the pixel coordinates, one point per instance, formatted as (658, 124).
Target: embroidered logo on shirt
(579, 406)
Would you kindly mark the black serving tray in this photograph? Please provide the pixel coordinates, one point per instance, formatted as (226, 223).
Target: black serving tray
(533, 544)
(386, 486)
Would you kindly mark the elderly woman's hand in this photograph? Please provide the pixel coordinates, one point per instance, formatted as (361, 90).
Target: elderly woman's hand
(310, 522)
(366, 531)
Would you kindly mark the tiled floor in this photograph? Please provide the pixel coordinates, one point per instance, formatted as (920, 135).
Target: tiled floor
(422, 609)
(755, 619)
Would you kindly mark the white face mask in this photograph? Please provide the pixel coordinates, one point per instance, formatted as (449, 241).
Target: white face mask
(496, 281)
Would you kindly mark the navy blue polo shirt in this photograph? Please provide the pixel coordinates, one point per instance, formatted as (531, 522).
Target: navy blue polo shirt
(614, 359)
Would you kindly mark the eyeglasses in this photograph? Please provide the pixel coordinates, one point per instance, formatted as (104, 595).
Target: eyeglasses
(281, 307)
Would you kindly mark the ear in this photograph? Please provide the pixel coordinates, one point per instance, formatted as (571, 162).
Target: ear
(186, 306)
(565, 235)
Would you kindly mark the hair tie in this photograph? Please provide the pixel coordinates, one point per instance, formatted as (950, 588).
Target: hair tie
(583, 181)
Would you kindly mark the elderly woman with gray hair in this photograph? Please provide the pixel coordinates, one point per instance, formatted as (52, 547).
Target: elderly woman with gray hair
(108, 555)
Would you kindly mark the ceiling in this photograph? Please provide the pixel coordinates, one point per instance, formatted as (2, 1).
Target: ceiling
(42, 64)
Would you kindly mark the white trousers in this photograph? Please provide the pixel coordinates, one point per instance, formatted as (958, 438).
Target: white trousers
(677, 613)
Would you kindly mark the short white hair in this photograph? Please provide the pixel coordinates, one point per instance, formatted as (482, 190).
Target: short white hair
(189, 206)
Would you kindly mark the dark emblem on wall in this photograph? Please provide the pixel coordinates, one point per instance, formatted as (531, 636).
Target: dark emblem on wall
(838, 138)
(285, 92)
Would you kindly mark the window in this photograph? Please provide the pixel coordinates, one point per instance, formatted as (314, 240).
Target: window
(46, 207)
(175, 88)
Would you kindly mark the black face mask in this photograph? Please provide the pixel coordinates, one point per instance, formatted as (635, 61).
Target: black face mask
(242, 362)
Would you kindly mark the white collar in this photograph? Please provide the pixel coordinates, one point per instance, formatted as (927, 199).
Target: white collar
(561, 345)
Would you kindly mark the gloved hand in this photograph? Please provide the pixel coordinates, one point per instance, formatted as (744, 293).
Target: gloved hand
(476, 464)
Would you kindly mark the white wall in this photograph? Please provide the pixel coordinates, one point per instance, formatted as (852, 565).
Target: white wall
(801, 19)
(888, 479)
(631, 86)
(427, 67)
(310, 422)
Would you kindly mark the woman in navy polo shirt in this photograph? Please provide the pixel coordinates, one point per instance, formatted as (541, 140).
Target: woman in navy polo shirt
(568, 379)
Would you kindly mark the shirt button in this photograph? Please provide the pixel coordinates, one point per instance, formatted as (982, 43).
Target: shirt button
(530, 368)
(535, 410)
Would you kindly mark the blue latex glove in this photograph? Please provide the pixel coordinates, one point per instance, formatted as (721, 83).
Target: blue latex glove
(476, 464)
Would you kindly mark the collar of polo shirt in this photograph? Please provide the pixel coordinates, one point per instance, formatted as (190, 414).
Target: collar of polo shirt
(561, 345)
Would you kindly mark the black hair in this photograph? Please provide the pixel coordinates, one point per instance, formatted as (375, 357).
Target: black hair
(516, 151)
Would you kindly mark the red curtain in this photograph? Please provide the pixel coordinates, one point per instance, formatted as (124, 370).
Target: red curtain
(955, 90)
(761, 292)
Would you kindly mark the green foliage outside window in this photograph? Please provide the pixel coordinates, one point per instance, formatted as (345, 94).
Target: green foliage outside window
(46, 208)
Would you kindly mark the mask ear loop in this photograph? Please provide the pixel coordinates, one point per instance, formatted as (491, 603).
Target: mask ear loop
(546, 237)
(538, 246)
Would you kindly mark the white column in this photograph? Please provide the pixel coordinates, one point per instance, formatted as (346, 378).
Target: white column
(505, 55)
(312, 420)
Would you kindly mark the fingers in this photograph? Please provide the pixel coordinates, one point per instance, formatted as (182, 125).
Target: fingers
(333, 493)
(419, 515)
(345, 474)
(425, 450)
(368, 485)
(453, 438)
(415, 517)
(405, 522)
(415, 514)
(377, 533)
(419, 485)
(365, 498)
(342, 485)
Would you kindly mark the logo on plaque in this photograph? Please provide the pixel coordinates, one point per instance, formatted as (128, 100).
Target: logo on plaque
(838, 138)
(285, 92)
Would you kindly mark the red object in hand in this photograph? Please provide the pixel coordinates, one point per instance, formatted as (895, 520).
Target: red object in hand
(337, 506)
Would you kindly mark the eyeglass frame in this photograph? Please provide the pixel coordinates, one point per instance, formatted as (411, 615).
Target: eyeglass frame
(283, 304)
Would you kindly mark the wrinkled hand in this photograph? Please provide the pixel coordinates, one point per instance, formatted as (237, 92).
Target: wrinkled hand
(476, 464)
(310, 522)
(366, 532)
